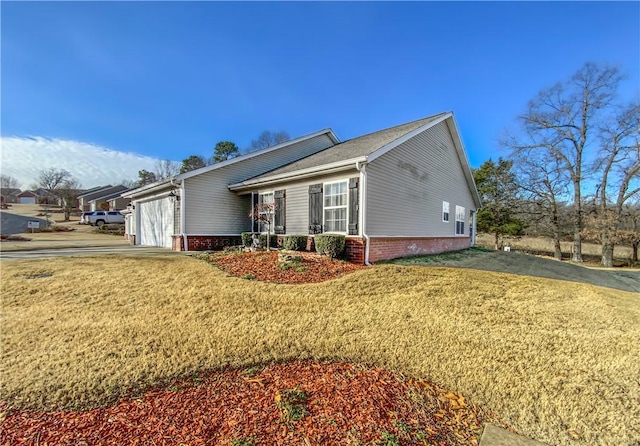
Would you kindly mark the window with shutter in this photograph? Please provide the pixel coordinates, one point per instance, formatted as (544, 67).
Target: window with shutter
(353, 206)
(279, 216)
(315, 209)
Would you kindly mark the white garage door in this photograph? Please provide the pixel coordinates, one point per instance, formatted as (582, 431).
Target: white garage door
(156, 222)
(27, 200)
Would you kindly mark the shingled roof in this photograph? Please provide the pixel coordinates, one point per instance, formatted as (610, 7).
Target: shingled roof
(352, 148)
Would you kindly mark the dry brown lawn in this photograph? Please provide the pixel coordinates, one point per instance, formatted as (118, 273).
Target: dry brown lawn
(558, 361)
(540, 244)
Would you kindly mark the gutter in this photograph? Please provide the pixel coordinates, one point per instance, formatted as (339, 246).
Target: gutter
(183, 214)
(360, 167)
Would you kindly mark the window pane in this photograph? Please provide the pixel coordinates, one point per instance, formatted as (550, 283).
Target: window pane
(335, 220)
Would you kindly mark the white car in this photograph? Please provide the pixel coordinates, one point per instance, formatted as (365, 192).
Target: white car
(100, 218)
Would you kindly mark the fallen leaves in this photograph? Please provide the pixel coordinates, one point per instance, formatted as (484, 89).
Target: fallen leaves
(343, 404)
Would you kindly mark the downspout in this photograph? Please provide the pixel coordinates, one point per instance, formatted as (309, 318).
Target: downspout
(360, 167)
(183, 213)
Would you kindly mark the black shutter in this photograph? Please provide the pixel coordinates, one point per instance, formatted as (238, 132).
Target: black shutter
(279, 213)
(353, 206)
(315, 209)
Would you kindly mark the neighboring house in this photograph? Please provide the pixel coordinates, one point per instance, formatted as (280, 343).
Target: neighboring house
(46, 197)
(114, 201)
(406, 190)
(97, 192)
(28, 197)
(9, 195)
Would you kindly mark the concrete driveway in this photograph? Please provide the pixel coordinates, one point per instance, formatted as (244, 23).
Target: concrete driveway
(126, 250)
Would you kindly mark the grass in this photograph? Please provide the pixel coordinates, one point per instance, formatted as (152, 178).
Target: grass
(544, 246)
(554, 359)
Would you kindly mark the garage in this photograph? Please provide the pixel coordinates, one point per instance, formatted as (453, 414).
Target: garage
(156, 222)
(27, 200)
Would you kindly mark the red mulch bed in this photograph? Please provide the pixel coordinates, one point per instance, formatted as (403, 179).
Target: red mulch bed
(264, 266)
(345, 404)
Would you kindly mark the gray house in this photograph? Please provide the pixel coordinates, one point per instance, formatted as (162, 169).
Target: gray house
(402, 191)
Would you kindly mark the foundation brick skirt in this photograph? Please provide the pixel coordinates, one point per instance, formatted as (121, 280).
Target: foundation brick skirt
(383, 248)
(205, 242)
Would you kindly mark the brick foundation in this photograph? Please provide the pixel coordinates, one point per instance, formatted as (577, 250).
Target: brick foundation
(393, 248)
(205, 242)
(382, 248)
(355, 248)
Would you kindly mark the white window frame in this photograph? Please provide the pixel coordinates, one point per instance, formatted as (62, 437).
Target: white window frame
(345, 207)
(262, 227)
(461, 217)
(445, 212)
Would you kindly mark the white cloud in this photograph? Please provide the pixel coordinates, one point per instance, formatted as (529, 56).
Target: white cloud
(24, 158)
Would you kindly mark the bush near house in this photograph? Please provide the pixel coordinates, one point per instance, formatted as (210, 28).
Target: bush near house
(295, 242)
(247, 241)
(330, 245)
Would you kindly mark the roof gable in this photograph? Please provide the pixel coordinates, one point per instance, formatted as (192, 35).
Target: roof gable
(362, 146)
(365, 149)
(241, 158)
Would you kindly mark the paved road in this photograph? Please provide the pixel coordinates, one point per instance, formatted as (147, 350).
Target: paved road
(93, 251)
(16, 224)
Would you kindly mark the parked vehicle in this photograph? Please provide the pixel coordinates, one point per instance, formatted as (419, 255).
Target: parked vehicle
(100, 218)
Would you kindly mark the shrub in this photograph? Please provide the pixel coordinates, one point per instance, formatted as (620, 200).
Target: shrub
(114, 229)
(263, 240)
(246, 238)
(295, 242)
(330, 245)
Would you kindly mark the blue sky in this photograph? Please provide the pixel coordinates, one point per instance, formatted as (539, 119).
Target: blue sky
(167, 79)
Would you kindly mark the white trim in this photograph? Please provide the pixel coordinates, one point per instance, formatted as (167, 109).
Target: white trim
(464, 161)
(323, 169)
(416, 236)
(213, 235)
(407, 136)
(246, 156)
(447, 211)
(464, 220)
(152, 187)
(183, 216)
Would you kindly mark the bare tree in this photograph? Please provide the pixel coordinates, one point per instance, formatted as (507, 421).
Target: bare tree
(8, 182)
(167, 169)
(543, 183)
(561, 121)
(51, 179)
(618, 164)
(268, 139)
(131, 184)
(68, 193)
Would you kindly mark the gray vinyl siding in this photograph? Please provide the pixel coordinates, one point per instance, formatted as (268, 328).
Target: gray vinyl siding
(212, 209)
(297, 199)
(407, 185)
